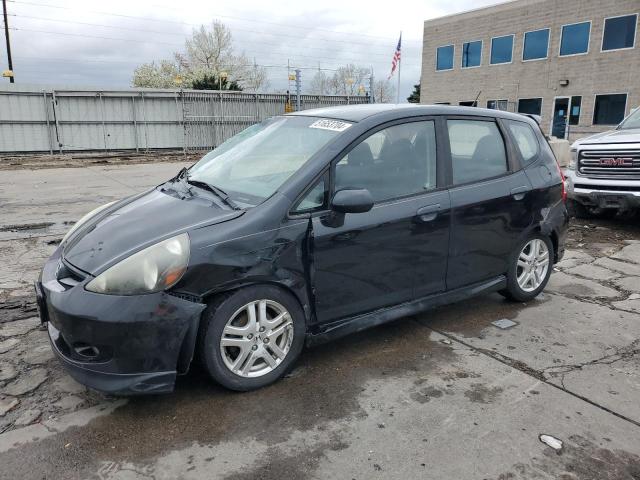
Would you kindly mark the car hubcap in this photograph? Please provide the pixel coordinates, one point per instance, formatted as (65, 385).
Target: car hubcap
(257, 338)
(533, 264)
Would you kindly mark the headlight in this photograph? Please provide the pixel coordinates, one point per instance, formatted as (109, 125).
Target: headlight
(84, 219)
(153, 269)
(573, 160)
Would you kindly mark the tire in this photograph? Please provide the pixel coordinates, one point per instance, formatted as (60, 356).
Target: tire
(577, 210)
(603, 213)
(228, 316)
(515, 290)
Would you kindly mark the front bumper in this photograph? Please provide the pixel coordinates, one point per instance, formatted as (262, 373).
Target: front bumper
(117, 344)
(602, 193)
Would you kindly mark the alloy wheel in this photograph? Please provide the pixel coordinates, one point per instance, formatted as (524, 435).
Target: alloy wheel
(533, 264)
(257, 338)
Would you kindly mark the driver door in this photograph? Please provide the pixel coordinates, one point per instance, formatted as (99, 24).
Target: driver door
(398, 249)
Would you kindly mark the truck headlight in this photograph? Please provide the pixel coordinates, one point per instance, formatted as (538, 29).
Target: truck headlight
(89, 215)
(573, 160)
(153, 269)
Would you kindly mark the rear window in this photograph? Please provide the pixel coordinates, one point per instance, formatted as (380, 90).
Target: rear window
(525, 138)
(477, 150)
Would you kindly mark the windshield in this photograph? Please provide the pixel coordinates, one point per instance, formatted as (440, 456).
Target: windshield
(252, 165)
(632, 121)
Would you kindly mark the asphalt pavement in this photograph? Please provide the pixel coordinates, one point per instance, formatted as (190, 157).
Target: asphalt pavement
(447, 394)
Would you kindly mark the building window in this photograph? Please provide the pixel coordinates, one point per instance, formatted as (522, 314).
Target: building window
(444, 58)
(619, 32)
(575, 39)
(609, 109)
(472, 103)
(536, 45)
(531, 106)
(574, 112)
(497, 104)
(472, 54)
(501, 49)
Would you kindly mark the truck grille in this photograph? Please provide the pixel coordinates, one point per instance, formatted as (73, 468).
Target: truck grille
(623, 164)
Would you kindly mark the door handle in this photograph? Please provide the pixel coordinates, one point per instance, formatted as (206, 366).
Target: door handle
(518, 193)
(428, 213)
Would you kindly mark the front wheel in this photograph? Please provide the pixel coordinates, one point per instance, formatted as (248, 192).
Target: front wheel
(530, 269)
(251, 337)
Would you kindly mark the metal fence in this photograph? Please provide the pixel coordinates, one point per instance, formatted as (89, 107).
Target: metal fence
(59, 121)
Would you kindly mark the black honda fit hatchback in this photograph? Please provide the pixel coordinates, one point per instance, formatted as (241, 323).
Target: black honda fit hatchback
(300, 229)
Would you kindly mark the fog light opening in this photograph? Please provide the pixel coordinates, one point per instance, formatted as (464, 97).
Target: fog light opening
(86, 351)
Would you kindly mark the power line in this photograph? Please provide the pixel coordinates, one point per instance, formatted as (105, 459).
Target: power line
(182, 34)
(247, 65)
(151, 19)
(100, 37)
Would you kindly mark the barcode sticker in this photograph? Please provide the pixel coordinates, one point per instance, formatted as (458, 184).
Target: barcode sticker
(334, 125)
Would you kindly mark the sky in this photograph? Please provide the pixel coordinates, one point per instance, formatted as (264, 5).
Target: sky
(91, 43)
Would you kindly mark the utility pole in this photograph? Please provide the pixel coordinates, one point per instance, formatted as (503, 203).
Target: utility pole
(6, 36)
(372, 98)
(298, 85)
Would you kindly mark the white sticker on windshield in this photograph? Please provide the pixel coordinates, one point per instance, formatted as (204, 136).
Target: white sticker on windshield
(335, 125)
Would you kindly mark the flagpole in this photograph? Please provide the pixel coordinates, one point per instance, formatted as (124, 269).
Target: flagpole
(399, 67)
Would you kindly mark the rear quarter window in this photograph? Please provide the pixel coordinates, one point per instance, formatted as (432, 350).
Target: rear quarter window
(526, 140)
(477, 150)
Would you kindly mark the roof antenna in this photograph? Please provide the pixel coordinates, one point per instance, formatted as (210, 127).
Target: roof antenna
(475, 102)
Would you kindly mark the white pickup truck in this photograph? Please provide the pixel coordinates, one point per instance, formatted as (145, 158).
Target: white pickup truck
(603, 176)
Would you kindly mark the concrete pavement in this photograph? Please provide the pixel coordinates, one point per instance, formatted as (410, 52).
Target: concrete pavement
(445, 394)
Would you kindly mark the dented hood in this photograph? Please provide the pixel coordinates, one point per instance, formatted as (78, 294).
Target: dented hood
(130, 226)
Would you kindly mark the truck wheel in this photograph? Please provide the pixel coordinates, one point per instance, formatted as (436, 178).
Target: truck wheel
(530, 269)
(577, 210)
(251, 337)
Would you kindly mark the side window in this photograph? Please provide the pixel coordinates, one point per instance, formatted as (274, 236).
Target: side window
(525, 138)
(394, 162)
(477, 150)
(314, 199)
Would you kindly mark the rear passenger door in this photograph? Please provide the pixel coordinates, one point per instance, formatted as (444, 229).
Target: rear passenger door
(489, 203)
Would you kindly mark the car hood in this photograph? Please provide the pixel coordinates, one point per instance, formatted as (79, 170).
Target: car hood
(631, 135)
(133, 224)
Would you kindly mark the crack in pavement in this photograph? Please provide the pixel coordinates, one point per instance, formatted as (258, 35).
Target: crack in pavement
(537, 374)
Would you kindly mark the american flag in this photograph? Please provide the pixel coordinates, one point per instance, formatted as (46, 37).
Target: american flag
(396, 57)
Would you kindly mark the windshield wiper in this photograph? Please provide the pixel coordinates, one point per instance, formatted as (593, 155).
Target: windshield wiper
(215, 190)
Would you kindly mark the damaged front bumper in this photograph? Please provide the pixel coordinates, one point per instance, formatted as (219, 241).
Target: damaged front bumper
(116, 344)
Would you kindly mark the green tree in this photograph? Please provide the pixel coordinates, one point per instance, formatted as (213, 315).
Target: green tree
(415, 95)
(211, 82)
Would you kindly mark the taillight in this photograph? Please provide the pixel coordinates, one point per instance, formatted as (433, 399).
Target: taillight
(564, 188)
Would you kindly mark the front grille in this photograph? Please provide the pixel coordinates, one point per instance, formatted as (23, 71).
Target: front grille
(622, 164)
(611, 188)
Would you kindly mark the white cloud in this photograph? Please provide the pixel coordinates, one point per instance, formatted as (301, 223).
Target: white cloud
(100, 43)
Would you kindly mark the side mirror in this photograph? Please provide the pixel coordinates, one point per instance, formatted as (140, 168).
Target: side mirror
(352, 201)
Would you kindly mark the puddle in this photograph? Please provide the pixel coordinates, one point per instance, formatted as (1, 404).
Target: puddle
(328, 389)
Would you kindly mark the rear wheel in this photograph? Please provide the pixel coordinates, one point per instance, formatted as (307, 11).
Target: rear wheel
(251, 337)
(530, 269)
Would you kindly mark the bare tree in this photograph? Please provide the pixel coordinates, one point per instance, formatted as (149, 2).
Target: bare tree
(320, 83)
(347, 80)
(208, 52)
(256, 79)
(383, 91)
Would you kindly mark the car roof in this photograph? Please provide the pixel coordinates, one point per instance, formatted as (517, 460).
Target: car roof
(357, 113)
